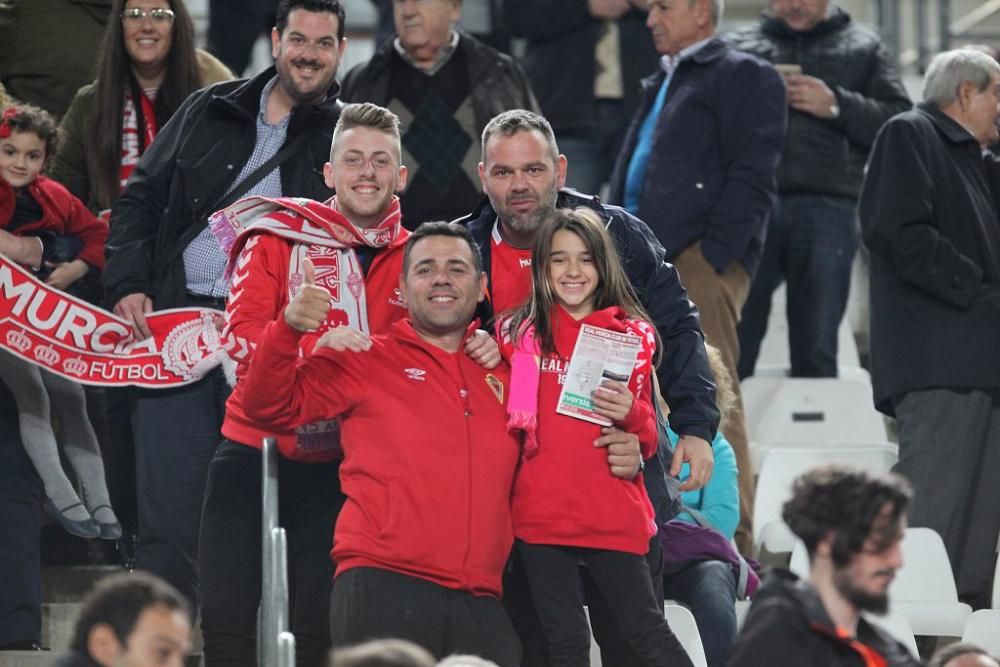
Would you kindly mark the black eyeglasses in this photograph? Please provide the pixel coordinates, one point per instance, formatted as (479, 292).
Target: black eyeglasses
(136, 15)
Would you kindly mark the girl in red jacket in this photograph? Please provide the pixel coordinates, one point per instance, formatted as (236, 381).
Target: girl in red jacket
(36, 212)
(567, 507)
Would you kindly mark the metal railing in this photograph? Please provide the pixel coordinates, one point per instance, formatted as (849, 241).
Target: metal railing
(276, 644)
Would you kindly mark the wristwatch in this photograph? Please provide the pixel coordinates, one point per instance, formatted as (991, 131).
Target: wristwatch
(834, 110)
(642, 466)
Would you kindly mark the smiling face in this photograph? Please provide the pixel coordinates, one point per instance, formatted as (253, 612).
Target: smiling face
(572, 274)
(147, 39)
(307, 54)
(441, 286)
(522, 179)
(365, 173)
(22, 158)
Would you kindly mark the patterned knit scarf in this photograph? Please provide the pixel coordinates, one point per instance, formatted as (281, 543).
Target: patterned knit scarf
(321, 233)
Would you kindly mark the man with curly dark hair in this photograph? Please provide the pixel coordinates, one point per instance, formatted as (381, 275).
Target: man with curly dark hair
(852, 524)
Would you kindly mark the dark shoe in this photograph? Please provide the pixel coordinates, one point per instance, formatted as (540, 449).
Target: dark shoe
(87, 528)
(23, 645)
(109, 531)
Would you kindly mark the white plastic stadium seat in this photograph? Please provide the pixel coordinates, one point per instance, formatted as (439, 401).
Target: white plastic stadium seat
(983, 630)
(774, 486)
(684, 627)
(924, 588)
(833, 410)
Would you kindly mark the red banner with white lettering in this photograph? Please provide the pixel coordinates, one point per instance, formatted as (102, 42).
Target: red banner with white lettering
(78, 341)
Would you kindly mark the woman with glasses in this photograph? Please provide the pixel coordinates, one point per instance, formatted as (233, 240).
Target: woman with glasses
(147, 66)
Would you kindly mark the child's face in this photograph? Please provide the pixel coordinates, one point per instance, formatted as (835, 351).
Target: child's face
(572, 274)
(22, 157)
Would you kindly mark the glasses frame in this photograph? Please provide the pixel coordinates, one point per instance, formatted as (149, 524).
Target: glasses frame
(157, 15)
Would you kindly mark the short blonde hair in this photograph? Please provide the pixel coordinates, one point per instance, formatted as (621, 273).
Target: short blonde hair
(370, 115)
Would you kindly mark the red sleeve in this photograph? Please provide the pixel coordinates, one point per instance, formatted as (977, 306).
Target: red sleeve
(82, 224)
(641, 419)
(501, 334)
(256, 294)
(314, 388)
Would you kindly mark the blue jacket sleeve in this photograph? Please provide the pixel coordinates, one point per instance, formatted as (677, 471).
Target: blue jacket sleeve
(719, 501)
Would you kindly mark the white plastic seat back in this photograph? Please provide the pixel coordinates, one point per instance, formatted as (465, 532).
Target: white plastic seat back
(782, 466)
(924, 588)
(983, 630)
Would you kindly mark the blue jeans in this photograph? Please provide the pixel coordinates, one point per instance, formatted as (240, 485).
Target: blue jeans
(176, 432)
(708, 589)
(811, 241)
(591, 156)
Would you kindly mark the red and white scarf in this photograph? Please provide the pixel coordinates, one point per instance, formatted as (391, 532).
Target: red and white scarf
(132, 148)
(321, 233)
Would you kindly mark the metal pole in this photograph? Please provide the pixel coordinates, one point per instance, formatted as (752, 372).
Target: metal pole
(267, 630)
(279, 579)
(921, 10)
(286, 650)
(944, 24)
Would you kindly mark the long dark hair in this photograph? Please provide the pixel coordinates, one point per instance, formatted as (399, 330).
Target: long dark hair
(115, 79)
(613, 287)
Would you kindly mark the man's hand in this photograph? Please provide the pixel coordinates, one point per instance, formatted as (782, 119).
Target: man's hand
(613, 400)
(810, 95)
(134, 308)
(65, 274)
(624, 454)
(308, 310)
(697, 452)
(344, 339)
(607, 9)
(483, 349)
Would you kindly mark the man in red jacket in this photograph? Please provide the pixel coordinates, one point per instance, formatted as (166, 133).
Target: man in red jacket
(428, 464)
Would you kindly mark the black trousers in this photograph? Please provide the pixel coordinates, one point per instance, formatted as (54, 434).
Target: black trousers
(369, 603)
(624, 582)
(309, 499)
(20, 526)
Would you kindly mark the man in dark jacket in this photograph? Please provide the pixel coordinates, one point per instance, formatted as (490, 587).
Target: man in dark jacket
(445, 85)
(585, 68)
(522, 174)
(842, 86)
(852, 525)
(224, 142)
(928, 213)
(698, 166)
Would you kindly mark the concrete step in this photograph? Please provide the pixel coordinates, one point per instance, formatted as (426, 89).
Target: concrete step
(48, 659)
(71, 583)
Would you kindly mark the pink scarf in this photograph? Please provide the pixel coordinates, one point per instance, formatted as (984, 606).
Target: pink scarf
(522, 406)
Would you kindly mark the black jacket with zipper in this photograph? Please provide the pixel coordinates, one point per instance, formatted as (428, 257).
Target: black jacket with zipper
(827, 156)
(183, 176)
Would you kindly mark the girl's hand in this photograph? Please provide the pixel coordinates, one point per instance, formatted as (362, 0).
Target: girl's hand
(66, 273)
(482, 349)
(344, 339)
(613, 400)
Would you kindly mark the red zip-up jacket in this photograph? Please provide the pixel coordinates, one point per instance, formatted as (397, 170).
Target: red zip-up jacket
(259, 294)
(62, 213)
(565, 494)
(428, 463)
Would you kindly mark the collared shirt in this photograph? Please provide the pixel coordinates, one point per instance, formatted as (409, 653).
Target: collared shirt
(204, 259)
(444, 55)
(636, 175)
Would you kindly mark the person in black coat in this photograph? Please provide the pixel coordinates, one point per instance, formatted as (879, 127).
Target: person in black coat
(698, 167)
(842, 86)
(929, 218)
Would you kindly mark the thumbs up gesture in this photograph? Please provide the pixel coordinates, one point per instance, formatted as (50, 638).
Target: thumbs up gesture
(308, 310)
